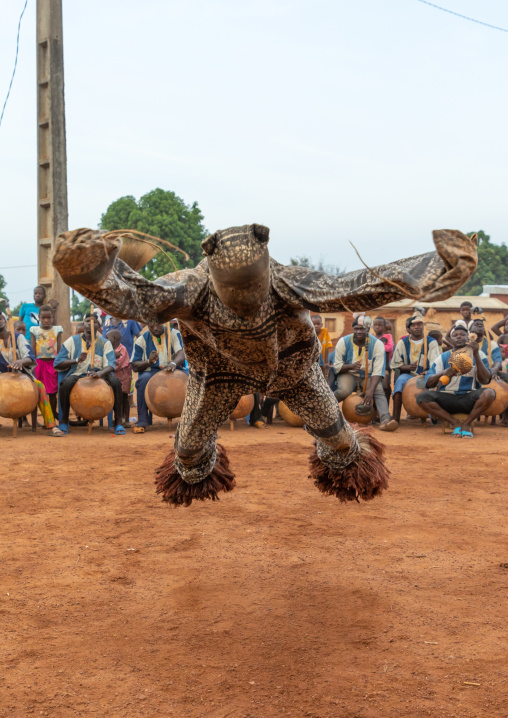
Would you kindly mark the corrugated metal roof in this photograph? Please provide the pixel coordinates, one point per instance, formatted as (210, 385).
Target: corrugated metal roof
(451, 303)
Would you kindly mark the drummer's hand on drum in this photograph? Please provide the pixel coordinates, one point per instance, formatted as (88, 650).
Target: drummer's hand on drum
(18, 365)
(153, 357)
(170, 367)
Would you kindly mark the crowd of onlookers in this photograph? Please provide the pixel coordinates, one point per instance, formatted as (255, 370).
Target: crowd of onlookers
(366, 362)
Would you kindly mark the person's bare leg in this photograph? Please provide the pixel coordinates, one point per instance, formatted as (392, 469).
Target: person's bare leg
(481, 406)
(397, 406)
(433, 408)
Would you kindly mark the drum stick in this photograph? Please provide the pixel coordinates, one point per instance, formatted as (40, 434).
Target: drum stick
(92, 328)
(10, 324)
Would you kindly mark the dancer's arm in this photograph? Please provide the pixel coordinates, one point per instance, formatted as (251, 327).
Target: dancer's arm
(427, 277)
(88, 263)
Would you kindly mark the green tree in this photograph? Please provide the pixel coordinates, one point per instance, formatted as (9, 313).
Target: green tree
(79, 307)
(3, 296)
(307, 262)
(162, 214)
(492, 266)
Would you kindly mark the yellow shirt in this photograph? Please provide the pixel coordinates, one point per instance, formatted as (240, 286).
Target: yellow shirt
(325, 341)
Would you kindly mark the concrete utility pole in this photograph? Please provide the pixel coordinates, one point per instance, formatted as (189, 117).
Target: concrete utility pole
(51, 152)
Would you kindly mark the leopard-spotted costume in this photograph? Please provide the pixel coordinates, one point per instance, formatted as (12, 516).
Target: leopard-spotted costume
(246, 328)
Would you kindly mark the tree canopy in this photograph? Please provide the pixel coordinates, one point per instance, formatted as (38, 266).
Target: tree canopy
(3, 296)
(162, 214)
(492, 266)
(307, 262)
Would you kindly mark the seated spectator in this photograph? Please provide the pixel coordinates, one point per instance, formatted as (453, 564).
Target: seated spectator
(74, 359)
(463, 394)
(411, 359)
(438, 336)
(381, 333)
(323, 336)
(152, 353)
(354, 355)
(487, 345)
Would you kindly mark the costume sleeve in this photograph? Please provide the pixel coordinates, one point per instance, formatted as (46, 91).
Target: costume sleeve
(108, 355)
(398, 357)
(428, 277)
(436, 368)
(340, 355)
(176, 344)
(139, 351)
(389, 343)
(66, 352)
(433, 352)
(24, 349)
(88, 263)
(378, 359)
(495, 352)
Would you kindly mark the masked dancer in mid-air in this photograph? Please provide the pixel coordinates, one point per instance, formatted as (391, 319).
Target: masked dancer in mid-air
(246, 328)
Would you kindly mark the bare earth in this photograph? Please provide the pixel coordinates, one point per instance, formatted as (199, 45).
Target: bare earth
(275, 601)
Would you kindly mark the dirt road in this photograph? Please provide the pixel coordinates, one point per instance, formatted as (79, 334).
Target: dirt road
(275, 601)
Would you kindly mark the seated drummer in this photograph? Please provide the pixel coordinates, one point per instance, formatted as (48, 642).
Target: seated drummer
(477, 326)
(463, 394)
(74, 360)
(409, 358)
(350, 364)
(150, 355)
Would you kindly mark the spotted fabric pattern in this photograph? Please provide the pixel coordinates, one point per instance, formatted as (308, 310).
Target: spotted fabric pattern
(275, 351)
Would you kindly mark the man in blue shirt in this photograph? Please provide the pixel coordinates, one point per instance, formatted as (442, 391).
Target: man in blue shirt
(29, 313)
(154, 351)
(463, 393)
(353, 356)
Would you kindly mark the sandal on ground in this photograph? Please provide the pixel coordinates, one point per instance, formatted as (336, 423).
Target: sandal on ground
(391, 425)
(138, 429)
(119, 429)
(457, 433)
(467, 434)
(55, 431)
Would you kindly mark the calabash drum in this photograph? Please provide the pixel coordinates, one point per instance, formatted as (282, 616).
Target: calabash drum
(244, 407)
(500, 403)
(288, 416)
(349, 410)
(18, 395)
(409, 394)
(92, 399)
(165, 393)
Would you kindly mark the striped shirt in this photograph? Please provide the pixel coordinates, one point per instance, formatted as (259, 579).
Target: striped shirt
(408, 351)
(460, 384)
(147, 343)
(72, 348)
(23, 350)
(347, 352)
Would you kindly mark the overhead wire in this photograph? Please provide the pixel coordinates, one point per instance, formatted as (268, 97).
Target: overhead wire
(15, 62)
(464, 17)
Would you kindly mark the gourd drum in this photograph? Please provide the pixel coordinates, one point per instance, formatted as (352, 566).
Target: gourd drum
(349, 410)
(92, 399)
(500, 403)
(288, 416)
(18, 395)
(409, 394)
(244, 407)
(165, 393)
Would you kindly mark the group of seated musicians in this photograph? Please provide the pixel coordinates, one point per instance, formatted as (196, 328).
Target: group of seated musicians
(417, 355)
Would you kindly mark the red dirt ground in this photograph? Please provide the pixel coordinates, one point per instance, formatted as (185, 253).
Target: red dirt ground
(275, 601)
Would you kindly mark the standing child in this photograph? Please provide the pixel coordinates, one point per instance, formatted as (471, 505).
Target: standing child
(46, 341)
(123, 370)
(29, 312)
(381, 333)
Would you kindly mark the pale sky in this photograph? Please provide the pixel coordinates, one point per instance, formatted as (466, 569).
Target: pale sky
(327, 120)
